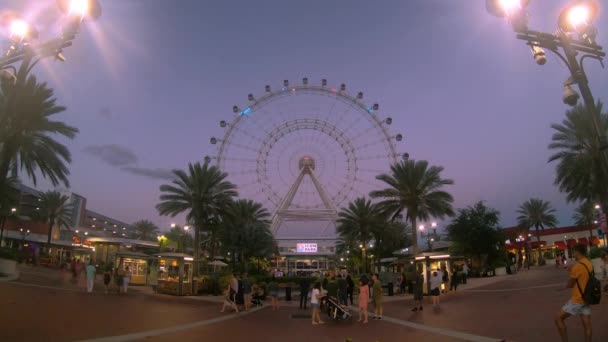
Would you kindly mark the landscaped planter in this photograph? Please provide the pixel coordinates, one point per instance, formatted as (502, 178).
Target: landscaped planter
(8, 267)
(499, 271)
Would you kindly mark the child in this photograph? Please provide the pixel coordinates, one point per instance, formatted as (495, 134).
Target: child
(314, 302)
(363, 298)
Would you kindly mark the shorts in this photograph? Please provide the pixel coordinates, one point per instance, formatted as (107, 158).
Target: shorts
(274, 294)
(576, 309)
(314, 305)
(435, 292)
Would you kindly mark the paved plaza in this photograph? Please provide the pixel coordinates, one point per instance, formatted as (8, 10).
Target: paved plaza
(45, 305)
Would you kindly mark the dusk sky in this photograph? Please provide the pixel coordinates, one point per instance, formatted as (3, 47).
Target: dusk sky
(148, 83)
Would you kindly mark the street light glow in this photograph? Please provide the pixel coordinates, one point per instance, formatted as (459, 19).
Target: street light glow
(510, 6)
(597, 206)
(186, 228)
(421, 227)
(173, 225)
(579, 16)
(434, 224)
(13, 210)
(19, 29)
(78, 7)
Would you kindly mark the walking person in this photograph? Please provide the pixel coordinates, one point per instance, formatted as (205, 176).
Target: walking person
(454, 281)
(580, 274)
(304, 288)
(342, 290)
(435, 288)
(402, 283)
(246, 285)
(90, 270)
(273, 288)
(445, 279)
(377, 295)
(350, 288)
(315, 300)
(465, 272)
(126, 279)
(229, 299)
(119, 274)
(363, 298)
(107, 277)
(418, 283)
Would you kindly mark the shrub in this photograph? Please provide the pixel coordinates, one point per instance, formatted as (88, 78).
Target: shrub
(595, 253)
(549, 255)
(8, 253)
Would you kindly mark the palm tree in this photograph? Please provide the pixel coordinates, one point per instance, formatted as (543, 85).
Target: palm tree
(9, 200)
(416, 187)
(56, 209)
(358, 222)
(580, 171)
(203, 192)
(247, 231)
(145, 230)
(27, 133)
(538, 214)
(584, 215)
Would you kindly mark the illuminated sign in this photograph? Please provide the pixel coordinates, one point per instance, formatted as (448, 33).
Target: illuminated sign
(306, 248)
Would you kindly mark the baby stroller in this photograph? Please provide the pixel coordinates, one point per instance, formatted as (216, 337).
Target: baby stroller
(257, 296)
(335, 310)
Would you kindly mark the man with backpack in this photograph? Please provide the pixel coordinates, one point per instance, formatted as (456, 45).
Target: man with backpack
(586, 291)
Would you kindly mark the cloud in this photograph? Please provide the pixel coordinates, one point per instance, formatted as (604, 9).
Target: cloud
(114, 155)
(150, 173)
(106, 113)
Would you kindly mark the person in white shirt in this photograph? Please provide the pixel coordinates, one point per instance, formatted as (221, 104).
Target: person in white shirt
(435, 288)
(315, 299)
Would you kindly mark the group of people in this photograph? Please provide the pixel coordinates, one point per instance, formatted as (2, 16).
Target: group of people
(114, 278)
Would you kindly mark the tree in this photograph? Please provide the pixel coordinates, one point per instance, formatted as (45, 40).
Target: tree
(9, 200)
(475, 232)
(584, 215)
(581, 172)
(56, 209)
(28, 133)
(358, 222)
(538, 214)
(203, 193)
(247, 231)
(181, 237)
(416, 188)
(145, 230)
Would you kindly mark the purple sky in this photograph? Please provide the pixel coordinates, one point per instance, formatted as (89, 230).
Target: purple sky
(148, 83)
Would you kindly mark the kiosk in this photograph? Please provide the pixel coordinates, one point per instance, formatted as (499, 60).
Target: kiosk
(137, 263)
(174, 274)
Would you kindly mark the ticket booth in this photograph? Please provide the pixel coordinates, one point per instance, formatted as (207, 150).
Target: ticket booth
(174, 274)
(137, 263)
(434, 261)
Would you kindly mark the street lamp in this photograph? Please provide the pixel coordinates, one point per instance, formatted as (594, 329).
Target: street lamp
(22, 36)
(24, 233)
(161, 239)
(575, 34)
(430, 237)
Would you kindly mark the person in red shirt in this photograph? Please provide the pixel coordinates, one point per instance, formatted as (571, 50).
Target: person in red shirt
(576, 306)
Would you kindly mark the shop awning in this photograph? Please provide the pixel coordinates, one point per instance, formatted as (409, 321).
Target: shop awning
(560, 245)
(583, 241)
(571, 243)
(595, 241)
(535, 244)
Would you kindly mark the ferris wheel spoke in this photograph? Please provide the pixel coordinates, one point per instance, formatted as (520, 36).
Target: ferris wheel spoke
(243, 147)
(245, 172)
(372, 171)
(248, 160)
(245, 132)
(378, 156)
(372, 143)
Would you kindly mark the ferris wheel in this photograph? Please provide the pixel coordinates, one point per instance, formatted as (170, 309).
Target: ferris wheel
(305, 150)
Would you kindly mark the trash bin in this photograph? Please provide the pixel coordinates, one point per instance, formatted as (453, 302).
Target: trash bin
(390, 289)
(288, 293)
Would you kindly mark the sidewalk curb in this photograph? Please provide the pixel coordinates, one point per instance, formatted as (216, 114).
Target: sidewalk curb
(11, 277)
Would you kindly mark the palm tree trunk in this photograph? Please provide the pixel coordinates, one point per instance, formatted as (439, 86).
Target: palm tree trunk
(2, 222)
(50, 233)
(414, 236)
(540, 256)
(364, 258)
(197, 252)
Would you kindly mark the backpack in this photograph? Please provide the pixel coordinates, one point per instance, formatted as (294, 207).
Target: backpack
(593, 291)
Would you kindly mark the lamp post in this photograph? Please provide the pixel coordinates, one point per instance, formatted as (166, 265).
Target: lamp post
(23, 46)
(24, 233)
(430, 237)
(575, 35)
(186, 229)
